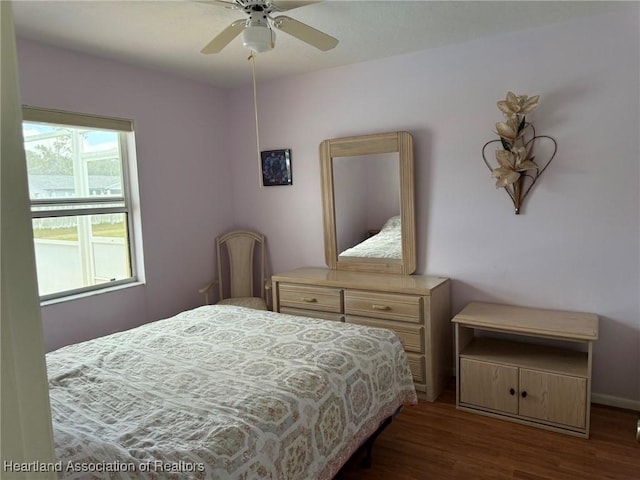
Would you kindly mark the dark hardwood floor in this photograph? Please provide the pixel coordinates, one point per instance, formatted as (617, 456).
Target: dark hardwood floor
(433, 441)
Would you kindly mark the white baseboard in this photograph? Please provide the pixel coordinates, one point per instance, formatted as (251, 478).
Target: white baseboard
(618, 402)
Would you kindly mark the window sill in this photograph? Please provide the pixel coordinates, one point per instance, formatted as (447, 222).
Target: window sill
(78, 296)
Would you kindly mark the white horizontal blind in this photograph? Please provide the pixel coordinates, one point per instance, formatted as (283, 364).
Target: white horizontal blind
(34, 114)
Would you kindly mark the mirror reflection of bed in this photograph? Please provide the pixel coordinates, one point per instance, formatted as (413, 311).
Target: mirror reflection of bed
(384, 243)
(367, 207)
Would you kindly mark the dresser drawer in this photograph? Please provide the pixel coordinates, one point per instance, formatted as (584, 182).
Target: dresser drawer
(323, 299)
(391, 306)
(416, 365)
(334, 317)
(411, 335)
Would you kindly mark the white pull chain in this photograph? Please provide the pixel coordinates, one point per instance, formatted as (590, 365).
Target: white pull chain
(255, 109)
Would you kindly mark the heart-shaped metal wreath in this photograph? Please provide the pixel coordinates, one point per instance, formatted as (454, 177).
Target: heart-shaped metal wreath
(518, 190)
(517, 169)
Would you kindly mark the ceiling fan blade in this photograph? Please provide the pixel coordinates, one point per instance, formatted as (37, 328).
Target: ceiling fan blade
(282, 5)
(226, 3)
(304, 32)
(223, 38)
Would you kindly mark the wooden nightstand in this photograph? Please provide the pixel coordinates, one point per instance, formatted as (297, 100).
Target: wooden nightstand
(515, 376)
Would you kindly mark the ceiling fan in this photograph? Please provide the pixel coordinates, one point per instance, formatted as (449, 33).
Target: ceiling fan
(258, 33)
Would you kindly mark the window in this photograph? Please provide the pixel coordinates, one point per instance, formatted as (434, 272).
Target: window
(78, 172)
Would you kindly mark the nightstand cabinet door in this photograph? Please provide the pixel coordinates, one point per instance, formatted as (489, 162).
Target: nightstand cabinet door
(553, 398)
(489, 385)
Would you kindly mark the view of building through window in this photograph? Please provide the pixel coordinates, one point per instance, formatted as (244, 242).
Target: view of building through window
(80, 206)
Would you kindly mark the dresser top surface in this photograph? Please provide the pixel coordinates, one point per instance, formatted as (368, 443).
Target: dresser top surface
(419, 284)
(533, 321)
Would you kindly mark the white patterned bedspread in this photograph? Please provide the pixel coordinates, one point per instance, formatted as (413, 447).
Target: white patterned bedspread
(222, 392)
(385, 244)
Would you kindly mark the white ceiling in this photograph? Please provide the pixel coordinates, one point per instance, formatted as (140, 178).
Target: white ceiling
(168, 35)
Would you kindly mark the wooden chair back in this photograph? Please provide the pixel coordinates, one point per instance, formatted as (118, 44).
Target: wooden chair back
(241, 264)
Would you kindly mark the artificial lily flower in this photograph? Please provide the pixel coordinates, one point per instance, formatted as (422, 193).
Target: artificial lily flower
(511, 164)
(509, 129)
(518, 104)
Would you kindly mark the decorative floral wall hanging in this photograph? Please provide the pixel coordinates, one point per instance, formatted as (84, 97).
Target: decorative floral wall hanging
(517, 169)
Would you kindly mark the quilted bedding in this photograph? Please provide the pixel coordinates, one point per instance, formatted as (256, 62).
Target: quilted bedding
(222, 392)
(385, 244)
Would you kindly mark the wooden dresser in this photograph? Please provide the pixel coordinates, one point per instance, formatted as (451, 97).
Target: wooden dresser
(416, 307)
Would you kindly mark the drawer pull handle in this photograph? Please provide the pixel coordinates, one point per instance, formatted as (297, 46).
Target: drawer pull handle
(524, 394)
(512, 391)
(309, 299)
(380, 307)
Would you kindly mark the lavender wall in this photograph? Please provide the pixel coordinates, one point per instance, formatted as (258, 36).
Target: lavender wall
(575, 247)
(182, 157)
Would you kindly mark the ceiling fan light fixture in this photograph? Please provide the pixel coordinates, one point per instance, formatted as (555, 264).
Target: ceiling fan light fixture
(258, 38)
(258, 34)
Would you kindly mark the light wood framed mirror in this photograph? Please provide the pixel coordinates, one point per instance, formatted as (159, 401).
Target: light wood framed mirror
(368, 203)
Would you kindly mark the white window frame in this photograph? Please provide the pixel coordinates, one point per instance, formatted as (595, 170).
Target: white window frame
(62, 206)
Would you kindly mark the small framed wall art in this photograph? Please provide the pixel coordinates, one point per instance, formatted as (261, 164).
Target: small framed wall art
(276, 167)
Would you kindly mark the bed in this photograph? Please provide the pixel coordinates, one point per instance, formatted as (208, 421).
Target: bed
(385, 244)
(224, 392)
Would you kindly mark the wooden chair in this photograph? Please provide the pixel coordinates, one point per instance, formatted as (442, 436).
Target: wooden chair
(241, 264)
